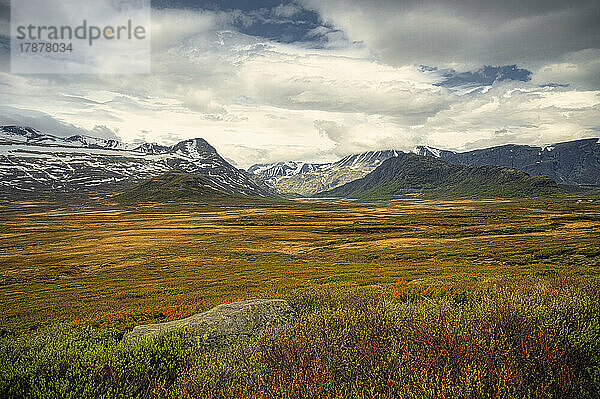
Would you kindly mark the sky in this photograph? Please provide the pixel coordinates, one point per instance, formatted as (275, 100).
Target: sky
(272, 80)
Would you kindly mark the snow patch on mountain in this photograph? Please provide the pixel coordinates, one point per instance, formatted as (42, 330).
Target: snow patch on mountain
(31, 161)
(307, 178)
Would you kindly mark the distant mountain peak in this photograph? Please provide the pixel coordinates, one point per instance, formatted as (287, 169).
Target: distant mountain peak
(197, 146)
(427, 151)
(193, 148)
(152, 148)
(195, 143)
(368, 158)
(26, 132)
(307, 178)
(22, 130)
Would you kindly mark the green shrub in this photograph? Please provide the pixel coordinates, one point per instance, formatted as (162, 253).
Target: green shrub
(85, 363)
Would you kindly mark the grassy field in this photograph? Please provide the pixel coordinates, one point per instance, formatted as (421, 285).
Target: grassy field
(403, 299)
(125, 266)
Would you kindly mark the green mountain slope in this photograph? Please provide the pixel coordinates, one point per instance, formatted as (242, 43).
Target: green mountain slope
(176, 185)
(411, 173)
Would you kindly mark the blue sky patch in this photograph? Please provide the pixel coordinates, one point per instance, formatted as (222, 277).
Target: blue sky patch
(277, 20)
(485, 76)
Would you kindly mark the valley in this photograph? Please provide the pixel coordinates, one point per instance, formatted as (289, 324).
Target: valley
(382, 264)
(299, 199)
(119, 266)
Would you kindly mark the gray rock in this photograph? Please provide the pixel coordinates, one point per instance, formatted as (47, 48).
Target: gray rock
(225, 324)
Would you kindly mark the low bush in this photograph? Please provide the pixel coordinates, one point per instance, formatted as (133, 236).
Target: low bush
(528, 338)
(535, 339)
(86, 363)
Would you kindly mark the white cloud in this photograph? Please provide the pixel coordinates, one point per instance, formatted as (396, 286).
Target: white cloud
(202, 101)
(286, 10)
(509, 114)
(260, 101)
(580, 69)
(171, 27)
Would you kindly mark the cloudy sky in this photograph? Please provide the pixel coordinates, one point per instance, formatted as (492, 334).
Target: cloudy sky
(273, 80)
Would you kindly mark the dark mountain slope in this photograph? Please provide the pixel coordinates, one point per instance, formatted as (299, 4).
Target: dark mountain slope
(411, 173)
(573, 162)
(175, 185)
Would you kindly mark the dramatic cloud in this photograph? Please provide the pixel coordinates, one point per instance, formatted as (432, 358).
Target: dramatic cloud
(466, 31)
(353, 77)
(511, 113)
(579, 70)
(50, 125)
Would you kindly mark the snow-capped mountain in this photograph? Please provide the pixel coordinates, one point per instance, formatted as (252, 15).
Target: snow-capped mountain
(274, 171)
(152, 148)
(36, 164)
(573, 162)
(308, 178)
(370, 159)
(427, 151)
(27, 135)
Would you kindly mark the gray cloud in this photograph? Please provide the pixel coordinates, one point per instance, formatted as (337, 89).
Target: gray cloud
(258, 100)
(466, 31)
(580, 70)
(50, 125)
(485, 76)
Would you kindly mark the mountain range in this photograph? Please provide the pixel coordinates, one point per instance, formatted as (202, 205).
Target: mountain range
(416, 174)
(34, 164)
(309, 178)
(572, 163)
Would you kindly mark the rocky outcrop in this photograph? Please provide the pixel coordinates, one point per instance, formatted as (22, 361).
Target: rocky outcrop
(225, 324)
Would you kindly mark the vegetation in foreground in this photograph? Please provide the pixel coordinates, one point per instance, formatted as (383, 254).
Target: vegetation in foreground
(526, 338)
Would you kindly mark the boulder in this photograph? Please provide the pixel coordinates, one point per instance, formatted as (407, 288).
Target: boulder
(225, 324)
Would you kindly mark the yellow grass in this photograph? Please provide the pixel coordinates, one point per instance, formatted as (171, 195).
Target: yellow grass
(165, 260)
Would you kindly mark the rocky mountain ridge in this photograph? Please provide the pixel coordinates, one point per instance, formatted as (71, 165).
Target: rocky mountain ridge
(410, 174)
(572, 163)
(38, 165)
(308, 178)
(33, 163)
